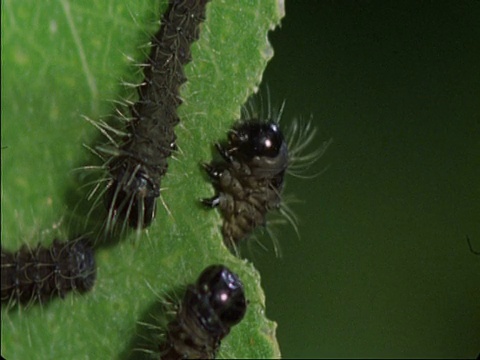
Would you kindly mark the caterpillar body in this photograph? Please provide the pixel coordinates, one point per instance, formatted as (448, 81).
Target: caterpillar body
(137, 167)
(38, 274)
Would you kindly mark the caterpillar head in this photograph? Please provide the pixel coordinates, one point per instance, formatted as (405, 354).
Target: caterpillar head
(219, 299)
(261, 144)
(132, 196)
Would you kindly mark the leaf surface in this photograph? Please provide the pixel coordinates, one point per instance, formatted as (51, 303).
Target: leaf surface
(63, 60)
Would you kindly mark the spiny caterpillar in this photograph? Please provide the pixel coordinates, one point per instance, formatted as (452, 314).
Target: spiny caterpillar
(137, 166)
(210, 307)
(249, 177)
(38, 274)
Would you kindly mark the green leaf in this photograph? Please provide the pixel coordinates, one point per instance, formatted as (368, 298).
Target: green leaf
(62, 60)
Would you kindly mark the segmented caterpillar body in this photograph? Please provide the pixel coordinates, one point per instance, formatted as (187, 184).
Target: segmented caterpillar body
(251, 178)
(137, 167)
(38, 274)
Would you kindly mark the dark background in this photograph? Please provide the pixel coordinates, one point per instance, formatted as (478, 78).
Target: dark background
(382, 267)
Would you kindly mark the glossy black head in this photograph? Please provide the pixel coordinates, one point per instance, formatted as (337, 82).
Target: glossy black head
(223, 291)
(256, 138)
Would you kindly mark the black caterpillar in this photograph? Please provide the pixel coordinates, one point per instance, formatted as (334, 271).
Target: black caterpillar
(250, 177)
(38, 274)
(136, 168)
(210, 307)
